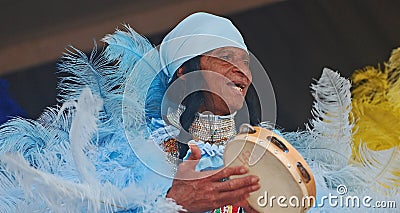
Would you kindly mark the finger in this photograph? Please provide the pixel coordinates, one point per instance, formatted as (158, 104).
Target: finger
(188, 167)
(228, 198)
(218, 174)
(237, 183)
(186, 171)
(229, 171)
(195, 153)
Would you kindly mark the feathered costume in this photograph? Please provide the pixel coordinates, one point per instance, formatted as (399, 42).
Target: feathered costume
(352, 144)
(95, 153)
(376, 111)
(77, 158)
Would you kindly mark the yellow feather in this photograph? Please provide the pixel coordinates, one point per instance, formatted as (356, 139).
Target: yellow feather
(393, 67)
(369, 85)
(376, 126)
(376, 104)
(376, 112)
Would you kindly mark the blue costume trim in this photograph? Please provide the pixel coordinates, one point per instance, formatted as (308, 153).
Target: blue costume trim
(119, 180)
(211, 156)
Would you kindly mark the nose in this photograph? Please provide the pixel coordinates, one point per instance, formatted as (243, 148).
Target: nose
(241, 67)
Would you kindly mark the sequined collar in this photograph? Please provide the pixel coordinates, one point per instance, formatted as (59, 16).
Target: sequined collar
(214, 129)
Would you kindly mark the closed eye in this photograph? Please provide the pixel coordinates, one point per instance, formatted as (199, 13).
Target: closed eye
(225, 57)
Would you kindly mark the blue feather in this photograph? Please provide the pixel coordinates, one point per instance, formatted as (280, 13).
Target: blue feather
(138, 65)
(45, 145)
(127, 48)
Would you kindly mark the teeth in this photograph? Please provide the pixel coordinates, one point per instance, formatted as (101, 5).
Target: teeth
(238, 88)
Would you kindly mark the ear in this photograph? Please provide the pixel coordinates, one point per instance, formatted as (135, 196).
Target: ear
(180, 73)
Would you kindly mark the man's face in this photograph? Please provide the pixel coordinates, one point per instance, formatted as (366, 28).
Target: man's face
(227, 76)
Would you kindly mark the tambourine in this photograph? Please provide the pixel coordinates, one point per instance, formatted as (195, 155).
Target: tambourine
(287, 183)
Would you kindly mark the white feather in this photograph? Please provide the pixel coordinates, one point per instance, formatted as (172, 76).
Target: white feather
(56, 191)
(82, 129)
(59, 195)
(330, 128)
(327, 143)
(381, 168)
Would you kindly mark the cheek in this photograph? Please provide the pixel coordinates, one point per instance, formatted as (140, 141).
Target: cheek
(214, 78)
(214, 82)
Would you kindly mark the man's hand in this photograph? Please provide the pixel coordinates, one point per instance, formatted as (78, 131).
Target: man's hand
(202, 191)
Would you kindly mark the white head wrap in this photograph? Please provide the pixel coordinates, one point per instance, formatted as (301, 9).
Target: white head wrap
(198, 33)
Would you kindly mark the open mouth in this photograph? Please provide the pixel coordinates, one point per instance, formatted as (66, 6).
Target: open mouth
(237, 86)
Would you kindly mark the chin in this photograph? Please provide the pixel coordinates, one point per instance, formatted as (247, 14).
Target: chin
(233, 107)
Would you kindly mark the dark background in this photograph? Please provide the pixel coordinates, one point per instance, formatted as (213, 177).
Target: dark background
(294, 40)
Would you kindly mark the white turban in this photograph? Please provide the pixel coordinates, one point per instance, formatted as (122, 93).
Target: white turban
(197, 34)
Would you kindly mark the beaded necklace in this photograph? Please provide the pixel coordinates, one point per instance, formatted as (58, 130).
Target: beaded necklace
(210, 128)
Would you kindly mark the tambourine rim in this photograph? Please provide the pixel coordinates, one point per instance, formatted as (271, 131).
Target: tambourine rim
(307, 189)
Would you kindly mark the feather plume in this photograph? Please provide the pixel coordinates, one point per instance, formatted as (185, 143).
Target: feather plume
(79, 72)
(83, 127)
(54, 191)
(376, 95)
(383, 169)
(340, 120)
(108, 73)
(326, 145)
(393, 67)
(79, 152)
(331, 128)
(373, 126)
(371, 107)
(64, 176)
(82, 72)
(369, 124)
(111, 76)
(369, 85)
(8, 186)
(138, 62)
(126, 48)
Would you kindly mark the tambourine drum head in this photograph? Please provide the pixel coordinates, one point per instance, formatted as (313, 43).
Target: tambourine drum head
(276, 180)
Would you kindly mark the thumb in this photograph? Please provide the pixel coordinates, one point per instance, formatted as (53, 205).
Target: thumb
(195, 153)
